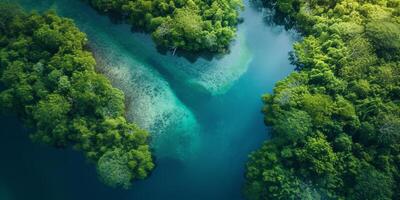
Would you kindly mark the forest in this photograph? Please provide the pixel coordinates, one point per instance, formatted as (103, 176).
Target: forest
(189, 25)
(48, 79)
(336, 120)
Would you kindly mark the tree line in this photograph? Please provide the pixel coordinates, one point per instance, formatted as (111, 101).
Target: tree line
(49, 80)
(336, 119)
(189, 25)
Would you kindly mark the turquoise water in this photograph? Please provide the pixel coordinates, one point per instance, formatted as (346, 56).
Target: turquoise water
(204, 115)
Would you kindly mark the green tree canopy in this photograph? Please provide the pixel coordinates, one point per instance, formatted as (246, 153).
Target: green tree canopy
(191, 25)
(336, 121)
(49, 80)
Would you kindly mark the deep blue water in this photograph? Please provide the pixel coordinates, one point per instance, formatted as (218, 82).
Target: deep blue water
(204, 116)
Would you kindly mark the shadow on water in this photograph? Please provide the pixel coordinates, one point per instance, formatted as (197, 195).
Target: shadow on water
(33, 171)
(192, 57)
(272, 16)
(183, 92)
(118, 18)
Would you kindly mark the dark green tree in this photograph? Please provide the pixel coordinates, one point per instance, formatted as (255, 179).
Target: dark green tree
(49, 80)
(336, 121)
(191, 25)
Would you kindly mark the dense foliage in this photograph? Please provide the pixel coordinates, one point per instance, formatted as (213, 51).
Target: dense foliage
(191, 25)
(336, 121)
(49, 80)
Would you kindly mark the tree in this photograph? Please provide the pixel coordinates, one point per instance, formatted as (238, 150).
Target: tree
(372, 184)
(193, 25)
(113, 169)
(335, 121)
(385, 36)
(293, 125)
(49, 80)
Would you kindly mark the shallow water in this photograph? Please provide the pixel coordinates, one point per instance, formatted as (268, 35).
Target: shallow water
(204, 116)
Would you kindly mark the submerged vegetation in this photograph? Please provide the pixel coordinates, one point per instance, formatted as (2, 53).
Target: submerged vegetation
(48, 79)
(190, 25)
(336, 121)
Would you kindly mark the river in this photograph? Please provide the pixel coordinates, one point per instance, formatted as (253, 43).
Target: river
(204, 115)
